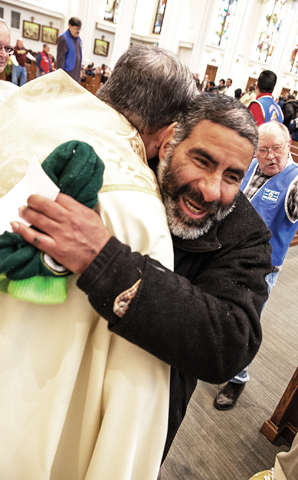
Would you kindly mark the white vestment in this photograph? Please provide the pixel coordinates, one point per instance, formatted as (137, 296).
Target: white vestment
(76, 401)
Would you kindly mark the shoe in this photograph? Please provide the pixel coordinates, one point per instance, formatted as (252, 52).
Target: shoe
(266, 475)
(228, 396)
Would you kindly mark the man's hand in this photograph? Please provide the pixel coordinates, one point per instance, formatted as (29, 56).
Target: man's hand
(73, 234)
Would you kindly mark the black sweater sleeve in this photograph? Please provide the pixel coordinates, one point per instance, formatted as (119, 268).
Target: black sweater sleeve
(208, 328)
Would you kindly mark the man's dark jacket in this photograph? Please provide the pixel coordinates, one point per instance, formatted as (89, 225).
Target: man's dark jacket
(204, 319)
(290, 111)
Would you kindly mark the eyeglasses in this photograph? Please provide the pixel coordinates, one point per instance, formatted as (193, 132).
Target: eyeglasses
(7, 48)
(263, 152)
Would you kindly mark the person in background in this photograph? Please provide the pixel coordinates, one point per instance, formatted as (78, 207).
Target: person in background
(5, 48)
(238, 93)
(290, 110)
(271, 185)
(222, 86)
(69, 49)
(249, 96)
(293, 129)
(90, 70)
(229, 89)
(204, 84)
(44, 61)
(19, 63)
(5, 51)
(281, 101)
(212, 88)
(264, 109)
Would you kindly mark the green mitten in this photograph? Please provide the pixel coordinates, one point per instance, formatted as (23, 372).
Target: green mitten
(78, 171)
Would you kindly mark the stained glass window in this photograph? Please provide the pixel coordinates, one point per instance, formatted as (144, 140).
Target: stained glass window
(293, 63)
(160, 12)
(112, 10)
(270, 29)
(224, 22)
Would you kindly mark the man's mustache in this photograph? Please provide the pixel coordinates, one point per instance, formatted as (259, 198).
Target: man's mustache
(197, 197)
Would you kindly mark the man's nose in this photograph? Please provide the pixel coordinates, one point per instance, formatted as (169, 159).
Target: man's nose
(210, 187)
(271, 153)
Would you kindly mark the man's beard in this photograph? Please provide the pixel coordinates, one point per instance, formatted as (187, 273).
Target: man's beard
(179, 222)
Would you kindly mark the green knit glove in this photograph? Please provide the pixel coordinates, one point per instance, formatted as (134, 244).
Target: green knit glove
(78, 171)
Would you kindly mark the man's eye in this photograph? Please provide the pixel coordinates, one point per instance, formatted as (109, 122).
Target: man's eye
(232, 178)
(201, 161)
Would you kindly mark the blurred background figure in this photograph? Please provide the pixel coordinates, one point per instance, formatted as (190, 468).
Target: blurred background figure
(229, 89)
(19, 72)
(290, 110)
(222, 86)
(249, 96)
(238, 93)
(43, 61)
(211, 87)
(69, 49)
(5, 51)
(90, 70)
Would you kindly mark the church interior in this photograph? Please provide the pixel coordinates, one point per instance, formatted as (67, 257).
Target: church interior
(221, 39)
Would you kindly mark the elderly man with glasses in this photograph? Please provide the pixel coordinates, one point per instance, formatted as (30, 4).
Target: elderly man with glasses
(5, 51)
(271, 185)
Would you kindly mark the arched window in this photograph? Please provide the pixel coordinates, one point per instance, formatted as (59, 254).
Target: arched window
(160, 12)
(224, 22)
(112, 10)
(270, 29)
(292, 66)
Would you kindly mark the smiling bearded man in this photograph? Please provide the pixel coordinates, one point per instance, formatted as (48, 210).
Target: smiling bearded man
(189, 215)
(207, 192)
(204, 318)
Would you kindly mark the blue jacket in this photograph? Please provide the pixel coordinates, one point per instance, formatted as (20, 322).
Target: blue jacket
(270, 201)
(270, 109)
(70, 58)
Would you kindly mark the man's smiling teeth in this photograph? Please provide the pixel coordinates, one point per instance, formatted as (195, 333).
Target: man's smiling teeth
(191, 207)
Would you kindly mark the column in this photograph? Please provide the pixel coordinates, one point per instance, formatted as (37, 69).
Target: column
(123, 32)
(285, 42)
(87, 13)
(229, 58)
(171, 26)
(208, 18)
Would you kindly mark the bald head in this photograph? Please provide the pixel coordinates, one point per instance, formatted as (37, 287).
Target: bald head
(274, 128)
(4, 42)
(274, 148)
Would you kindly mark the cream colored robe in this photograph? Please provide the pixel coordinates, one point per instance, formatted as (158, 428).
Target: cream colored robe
(76, 401)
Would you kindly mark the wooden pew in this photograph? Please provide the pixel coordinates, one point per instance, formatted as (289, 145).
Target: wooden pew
(284, 420)
(92, 83)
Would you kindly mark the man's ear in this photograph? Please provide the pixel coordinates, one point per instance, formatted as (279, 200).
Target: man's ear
(167, 137)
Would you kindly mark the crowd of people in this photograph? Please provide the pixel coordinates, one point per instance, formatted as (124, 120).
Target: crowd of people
(168, 273)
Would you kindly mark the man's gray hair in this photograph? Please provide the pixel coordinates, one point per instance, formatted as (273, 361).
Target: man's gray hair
(150, 87)
(219, 109)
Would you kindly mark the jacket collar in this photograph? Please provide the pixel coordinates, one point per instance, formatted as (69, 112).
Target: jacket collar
(206, 243)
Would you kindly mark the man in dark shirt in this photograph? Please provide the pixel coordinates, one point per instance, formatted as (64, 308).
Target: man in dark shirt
(69, 49)
(203, 319)
(19, 63)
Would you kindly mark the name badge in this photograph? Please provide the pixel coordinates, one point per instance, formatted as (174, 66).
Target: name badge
(270, 195)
